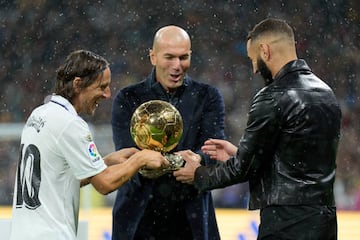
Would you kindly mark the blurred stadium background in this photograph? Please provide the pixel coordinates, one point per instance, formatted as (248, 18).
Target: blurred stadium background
(35, 37)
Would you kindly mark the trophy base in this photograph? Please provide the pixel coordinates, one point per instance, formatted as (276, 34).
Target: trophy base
(176, 162)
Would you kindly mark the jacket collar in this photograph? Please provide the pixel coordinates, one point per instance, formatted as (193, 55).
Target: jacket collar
(292, 66)
(153, 84)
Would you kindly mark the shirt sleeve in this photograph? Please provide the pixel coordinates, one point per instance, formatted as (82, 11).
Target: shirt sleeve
(80, 150)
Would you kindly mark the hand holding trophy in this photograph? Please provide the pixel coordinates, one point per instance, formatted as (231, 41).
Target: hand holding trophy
(158, 125)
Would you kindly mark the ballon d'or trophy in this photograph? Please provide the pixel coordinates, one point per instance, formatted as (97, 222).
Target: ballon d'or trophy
(157, 125)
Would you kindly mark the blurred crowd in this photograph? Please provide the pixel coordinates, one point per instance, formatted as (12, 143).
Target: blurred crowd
(36, 36)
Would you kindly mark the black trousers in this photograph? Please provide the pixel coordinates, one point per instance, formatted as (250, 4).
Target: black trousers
(313, 222)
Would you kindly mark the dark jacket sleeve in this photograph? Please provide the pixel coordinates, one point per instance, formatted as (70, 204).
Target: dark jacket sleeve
(202, 109)
(212, 122)
(254, 148)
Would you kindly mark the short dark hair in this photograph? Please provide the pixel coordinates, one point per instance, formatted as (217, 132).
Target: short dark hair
(271, 25)
(80, 63)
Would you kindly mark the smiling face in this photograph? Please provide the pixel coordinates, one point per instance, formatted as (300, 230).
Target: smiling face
(171, 56)
(88, 98)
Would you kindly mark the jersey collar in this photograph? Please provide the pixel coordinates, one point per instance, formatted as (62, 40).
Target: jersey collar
(61, 101)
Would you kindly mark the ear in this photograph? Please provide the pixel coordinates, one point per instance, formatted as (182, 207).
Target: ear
(152, 57)
(77, 84)
(265, 51)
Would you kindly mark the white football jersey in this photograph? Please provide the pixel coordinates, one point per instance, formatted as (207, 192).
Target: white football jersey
(56, 152)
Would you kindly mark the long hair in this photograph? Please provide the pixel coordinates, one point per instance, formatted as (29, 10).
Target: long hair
(80, 63)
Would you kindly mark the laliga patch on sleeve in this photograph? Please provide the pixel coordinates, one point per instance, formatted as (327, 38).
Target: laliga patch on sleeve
(93, 152)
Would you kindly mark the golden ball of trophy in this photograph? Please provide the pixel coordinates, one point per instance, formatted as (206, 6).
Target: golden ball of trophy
(156, 125)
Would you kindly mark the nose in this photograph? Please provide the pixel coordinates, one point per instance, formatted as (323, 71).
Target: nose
(176, 62)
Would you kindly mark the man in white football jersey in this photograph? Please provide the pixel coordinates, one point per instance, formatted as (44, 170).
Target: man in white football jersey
(58, 154)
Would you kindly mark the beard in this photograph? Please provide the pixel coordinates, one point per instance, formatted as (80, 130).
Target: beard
(264, 71)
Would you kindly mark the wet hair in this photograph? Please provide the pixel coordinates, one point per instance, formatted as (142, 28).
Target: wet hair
(80, 63)
(271, 26)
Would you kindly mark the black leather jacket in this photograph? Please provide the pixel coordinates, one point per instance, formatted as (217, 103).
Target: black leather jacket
(288, 149)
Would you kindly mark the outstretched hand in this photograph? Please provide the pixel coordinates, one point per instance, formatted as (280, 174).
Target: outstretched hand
(219, 149)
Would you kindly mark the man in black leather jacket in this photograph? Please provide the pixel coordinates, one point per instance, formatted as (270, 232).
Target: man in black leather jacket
(288, 150)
